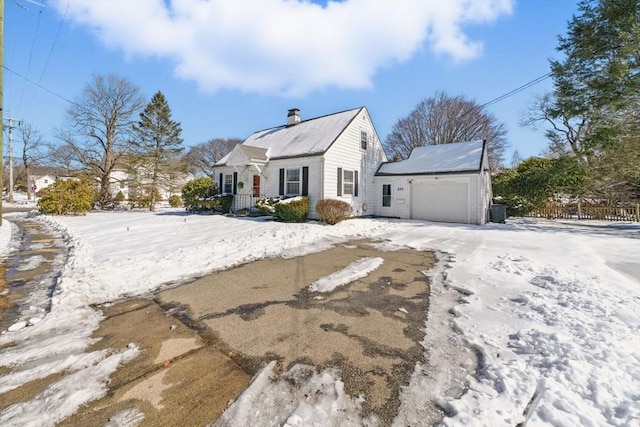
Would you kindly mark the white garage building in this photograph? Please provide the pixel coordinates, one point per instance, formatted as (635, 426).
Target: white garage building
(447, 183)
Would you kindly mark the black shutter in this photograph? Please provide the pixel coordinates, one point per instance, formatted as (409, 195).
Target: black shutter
(305, 180)
(221, 188)
(235, 183)
(339, 181)
(281, 184)
(355, 183)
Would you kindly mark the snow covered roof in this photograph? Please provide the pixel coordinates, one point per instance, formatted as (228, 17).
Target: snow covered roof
(307, 138)
(431, 159)
(245, 154)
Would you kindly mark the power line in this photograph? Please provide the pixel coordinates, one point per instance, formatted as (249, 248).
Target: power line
(516, 90)
(53, 44)
(38, 85)
(33, 44)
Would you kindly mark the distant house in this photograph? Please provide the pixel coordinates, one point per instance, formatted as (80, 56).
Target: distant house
(39, 182)
(127, 180)
(328, 157)
(339, 156)
(449, 183)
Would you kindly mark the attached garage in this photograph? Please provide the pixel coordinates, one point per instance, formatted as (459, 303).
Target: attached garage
(444, 183)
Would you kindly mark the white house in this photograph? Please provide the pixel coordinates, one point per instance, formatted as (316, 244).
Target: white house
(339, 156)
(450, 183)
(328, 157)
(39, 182)
(124, 179)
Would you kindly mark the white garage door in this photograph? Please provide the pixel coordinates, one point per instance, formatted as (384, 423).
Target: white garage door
(445, 201)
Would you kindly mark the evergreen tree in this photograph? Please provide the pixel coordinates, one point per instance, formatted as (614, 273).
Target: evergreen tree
(593, 112)
(599, 78)
(157, 147)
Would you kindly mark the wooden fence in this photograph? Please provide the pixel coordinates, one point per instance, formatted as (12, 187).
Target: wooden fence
(605, 213)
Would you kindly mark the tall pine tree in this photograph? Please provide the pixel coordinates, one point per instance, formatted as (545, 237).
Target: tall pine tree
(599, 77)
(157, 148)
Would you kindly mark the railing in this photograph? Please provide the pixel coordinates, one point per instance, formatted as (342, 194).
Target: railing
(244, 202)
(604, 213)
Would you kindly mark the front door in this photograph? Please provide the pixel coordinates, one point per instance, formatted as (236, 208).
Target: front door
(256, 186)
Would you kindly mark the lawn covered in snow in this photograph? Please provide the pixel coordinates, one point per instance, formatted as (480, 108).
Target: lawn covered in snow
(551, 309)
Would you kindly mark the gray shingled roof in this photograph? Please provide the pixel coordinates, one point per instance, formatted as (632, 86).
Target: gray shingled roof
(307, 138)
(432, 159)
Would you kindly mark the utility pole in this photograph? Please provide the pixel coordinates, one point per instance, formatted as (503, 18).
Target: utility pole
(1, 91)
(10, 126)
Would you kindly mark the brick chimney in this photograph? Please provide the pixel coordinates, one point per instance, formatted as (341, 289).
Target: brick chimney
(293, 117)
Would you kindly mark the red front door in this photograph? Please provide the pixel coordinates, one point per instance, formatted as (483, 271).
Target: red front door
(256, 185)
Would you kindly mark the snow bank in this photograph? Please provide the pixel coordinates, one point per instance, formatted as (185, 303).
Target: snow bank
(549, 310)
(300, 397)
(354, 271)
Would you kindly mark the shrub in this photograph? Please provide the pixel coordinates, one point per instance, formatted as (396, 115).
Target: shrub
(292, 210)
(197, 190)
(119, 197)
(141, 198)
(224, 203)
(333, 211)
(64, 197)
(267, 205)
(175, 201)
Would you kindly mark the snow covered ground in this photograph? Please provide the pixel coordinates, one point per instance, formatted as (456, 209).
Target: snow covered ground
(552, 309)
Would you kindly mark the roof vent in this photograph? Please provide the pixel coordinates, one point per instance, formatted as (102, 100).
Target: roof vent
(293, 117)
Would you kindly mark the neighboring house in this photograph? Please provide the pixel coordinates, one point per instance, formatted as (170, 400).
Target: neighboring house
(328, 157)
(450, 183)
(339, 156)
(39, 182)
(124, 180)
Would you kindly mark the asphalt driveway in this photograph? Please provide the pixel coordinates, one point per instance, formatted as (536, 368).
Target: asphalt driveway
(371, 328)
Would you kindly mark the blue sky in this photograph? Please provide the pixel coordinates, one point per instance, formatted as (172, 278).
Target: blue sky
(229, 68)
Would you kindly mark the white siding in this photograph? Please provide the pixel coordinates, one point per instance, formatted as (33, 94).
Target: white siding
(270, 179)
(411, 197)
(346, 153)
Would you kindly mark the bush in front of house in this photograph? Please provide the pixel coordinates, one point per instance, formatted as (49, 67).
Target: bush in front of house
(175, 201)
(292, 210)
(197, 190)
(224, 203)
(65, 197)
(332, 211)
(267, 205)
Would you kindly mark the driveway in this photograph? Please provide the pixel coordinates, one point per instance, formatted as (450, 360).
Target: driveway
(202, 341)
(371, 328)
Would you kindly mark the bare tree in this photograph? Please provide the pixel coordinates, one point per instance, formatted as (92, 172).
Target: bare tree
(32, 151)
(202, 157)
(566, 135)
(61, 156)
(101, 128)
(445, 120)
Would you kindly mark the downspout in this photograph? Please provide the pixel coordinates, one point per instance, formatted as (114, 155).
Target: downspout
(410, 181)
(322, 196)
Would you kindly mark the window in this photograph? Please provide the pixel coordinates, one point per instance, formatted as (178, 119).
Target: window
(386, 195)
(293, 181)
(347, 182)
(363, 139)
(228, 184)
(122, 184)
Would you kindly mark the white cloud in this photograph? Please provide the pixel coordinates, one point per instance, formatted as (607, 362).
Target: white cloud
(285, 47)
